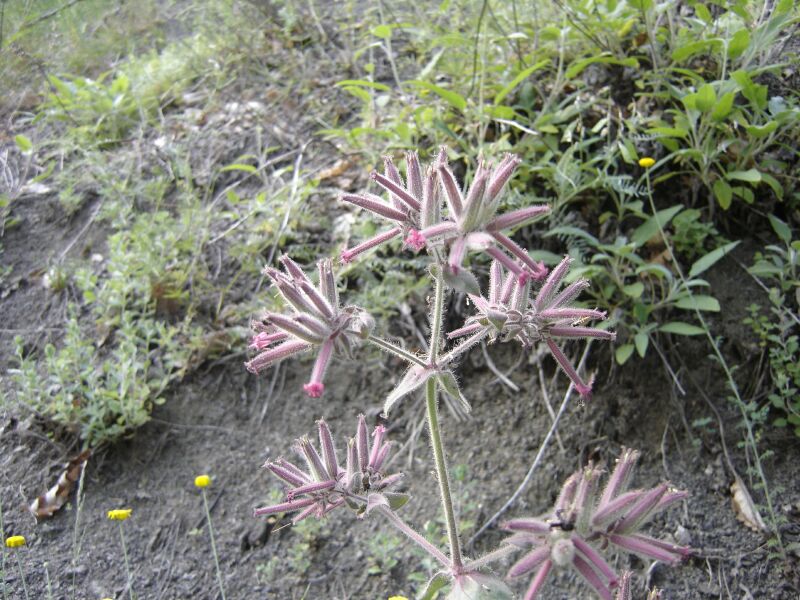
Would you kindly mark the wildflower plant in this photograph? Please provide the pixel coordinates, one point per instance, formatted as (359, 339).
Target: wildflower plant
(13, 542)
(429, 211)
(201, 482)
(120, 515)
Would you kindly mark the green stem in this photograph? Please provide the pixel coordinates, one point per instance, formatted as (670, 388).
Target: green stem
(213, 545)
(47, 580)
(127, 564)
(433, 424)
(442, 474)
(21, 576)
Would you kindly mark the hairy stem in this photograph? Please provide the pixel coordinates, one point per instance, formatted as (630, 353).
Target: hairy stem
(442, 474)
(490, 557)
(396, 350)
(464, 346)
(437, 313)
(433, 424)
(415, 537)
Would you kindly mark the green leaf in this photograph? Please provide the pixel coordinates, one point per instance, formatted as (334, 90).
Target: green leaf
(681, 328)
(669, 132)
(634, 290)
(761, 131)
(240, 167)
(359, 93)
(500, 112)
(24, 144)
(706, 98)
(750, 176)
(573, 232)
(449, 385)
(522, 76)
(774, 184)
(702, 12)
(396, 499)
(382, 31)
(578, 66)
(452, 98)
(723, 107)
(723, 193)
(745, 193)
(782, 229)
(689, 50)
(623, 353)
(641, 340)
(755, 93)
(435, 583)
(649, 228)
(704, 263)
(364, 83)
(698, 302)
(738, 43)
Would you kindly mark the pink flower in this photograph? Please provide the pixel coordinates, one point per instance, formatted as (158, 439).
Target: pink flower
(324, 484)
(580, 522)
(473, 225)
(316, 320)
(412, 204)
(510, 313)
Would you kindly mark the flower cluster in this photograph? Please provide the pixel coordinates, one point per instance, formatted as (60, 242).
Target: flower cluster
(471, 222)
(325, 485)
(510, 313)
(316, 321)
(580, 521)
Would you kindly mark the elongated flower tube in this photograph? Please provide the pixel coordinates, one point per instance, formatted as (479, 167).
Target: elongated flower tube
(413, 204)
(323, 484)
(510, 313)
(315, 321)
(584, 522)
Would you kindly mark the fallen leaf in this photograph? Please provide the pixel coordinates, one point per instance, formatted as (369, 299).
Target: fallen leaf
(52, 500)
(745, 508)
(339, 168)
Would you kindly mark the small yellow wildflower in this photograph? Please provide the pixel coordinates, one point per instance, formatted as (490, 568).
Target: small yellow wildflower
(646, 162)
(15, 541)
(202, 481)
(398, 598)
(120, 514)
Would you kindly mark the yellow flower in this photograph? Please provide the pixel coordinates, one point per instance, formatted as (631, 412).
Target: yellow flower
(120, 514)
(202, 481)
(646, 162)
(398, 598)
(15, 541)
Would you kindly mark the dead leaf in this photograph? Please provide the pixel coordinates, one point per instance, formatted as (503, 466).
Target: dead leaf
(50, 502)
(745, 508)
(338, 169)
